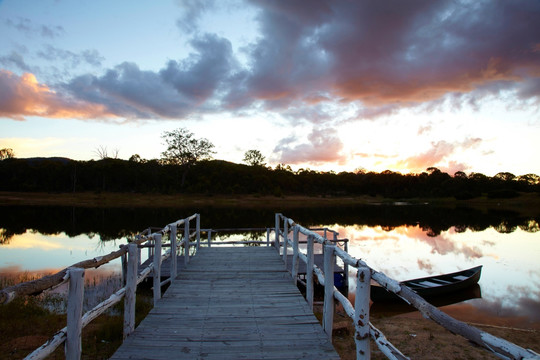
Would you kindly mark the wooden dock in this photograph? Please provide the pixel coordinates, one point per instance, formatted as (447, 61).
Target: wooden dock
(230, 303)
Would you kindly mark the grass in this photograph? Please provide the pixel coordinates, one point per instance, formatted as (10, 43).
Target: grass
(526, 203)
(27, 323)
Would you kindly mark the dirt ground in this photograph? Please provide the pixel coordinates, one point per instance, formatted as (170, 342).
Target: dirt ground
(419, 338)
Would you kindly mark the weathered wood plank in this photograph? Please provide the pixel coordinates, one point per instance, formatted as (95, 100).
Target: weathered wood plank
(230, 302)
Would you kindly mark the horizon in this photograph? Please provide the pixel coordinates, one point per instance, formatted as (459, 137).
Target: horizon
(355, 171)
(336, 86)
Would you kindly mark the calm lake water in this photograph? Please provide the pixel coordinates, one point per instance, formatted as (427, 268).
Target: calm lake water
(508, 248)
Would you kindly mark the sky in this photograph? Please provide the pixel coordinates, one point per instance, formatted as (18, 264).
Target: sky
(325, 85)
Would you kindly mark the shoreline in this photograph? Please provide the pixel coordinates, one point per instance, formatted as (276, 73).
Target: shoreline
(525, 204)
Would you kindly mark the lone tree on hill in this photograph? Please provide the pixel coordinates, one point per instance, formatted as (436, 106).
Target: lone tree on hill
(6, 153)
(184, 149)
(254, 158)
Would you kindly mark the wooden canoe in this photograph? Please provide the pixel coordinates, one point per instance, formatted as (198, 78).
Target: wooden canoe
(432, 286)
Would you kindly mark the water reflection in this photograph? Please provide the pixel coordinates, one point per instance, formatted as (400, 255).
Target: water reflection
(402, 241)
(33, 250)
(510, 279)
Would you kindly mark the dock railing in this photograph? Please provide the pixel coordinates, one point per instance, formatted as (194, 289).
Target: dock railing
(132, 276)
(359, 313)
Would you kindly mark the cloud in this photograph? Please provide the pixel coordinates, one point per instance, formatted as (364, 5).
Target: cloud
(374, 58)
(324, 146)
(440, 151)
(181, 89)
(91, 57)
(200, 75)
(389, 55)
(192, 11)
(15, 59)
(26, 26)
(22, 96)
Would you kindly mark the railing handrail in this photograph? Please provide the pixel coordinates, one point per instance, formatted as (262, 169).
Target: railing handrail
(360, 312)
(71, 334)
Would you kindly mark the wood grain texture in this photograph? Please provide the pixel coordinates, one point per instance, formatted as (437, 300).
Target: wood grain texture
(230, 303)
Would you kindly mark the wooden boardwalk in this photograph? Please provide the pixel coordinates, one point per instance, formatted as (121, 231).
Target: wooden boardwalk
(230, 303)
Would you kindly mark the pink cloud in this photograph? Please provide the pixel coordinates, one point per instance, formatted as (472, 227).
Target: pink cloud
(22, 96)
(323, 146)
(439, 152)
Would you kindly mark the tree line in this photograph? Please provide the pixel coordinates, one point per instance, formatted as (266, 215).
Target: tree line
(221, 177)
(187, 166)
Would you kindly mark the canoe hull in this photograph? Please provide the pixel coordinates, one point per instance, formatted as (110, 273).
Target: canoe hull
(432, 286)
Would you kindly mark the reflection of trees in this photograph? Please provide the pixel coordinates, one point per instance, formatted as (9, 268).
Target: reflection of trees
(5, 236)
(115, 223)
(530, 226)
(505, 228)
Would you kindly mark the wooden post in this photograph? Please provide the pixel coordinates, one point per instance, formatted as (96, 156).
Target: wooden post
(209, 238)
(174, 259)
(309, 271)
(74, 313)
(150, 243)
(285, 240)
(157, 268)
(361, 313)
(267, 237)
(123, 260)
(346, 268)
(328, 310)
(276, 230)
(295, 255)
(198, 230)
(131, 289)
(186, 241)
(138, 238)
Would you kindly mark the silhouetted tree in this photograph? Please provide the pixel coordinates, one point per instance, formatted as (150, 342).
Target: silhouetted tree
(184, 149)
(254, 158)
(6, 153)
(135, 158)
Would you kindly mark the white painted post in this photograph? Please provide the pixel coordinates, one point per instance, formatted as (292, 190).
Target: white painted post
(198, 230)
(174, 259)
(361, 313)
(74, 313)
(157, 268)
(209, 238)
(309, 271)
(276, 230)
(131, 289)
(186, 241)
(328, 310)
(285, 240)
(295, 255)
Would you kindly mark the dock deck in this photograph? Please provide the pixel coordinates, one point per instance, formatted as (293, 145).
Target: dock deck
(230, 303)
